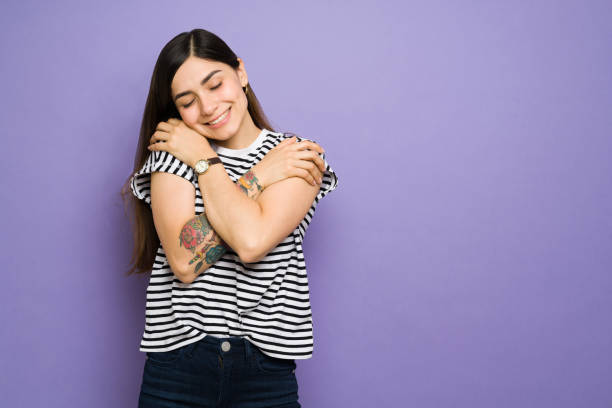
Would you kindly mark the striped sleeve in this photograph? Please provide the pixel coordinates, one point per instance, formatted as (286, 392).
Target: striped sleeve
(159, 160)
(330, 180)
(328, 184)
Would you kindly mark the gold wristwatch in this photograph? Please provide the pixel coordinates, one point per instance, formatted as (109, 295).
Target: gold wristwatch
(203, 164)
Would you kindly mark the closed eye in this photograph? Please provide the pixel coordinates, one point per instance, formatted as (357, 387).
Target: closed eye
(213, 88)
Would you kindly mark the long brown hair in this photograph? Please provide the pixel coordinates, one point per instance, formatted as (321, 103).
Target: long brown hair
(160, 107)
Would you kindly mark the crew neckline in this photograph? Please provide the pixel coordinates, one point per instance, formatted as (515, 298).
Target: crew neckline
(248, 149)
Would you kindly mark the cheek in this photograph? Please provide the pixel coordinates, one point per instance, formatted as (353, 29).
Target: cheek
(232, 93)
(190, 115)
(239, 101)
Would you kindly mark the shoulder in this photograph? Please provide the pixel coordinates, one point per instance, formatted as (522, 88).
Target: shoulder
(275, 137)
(159, 161)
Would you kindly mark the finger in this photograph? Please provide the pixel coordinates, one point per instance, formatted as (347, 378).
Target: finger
(165, 126)
(289, 140)
(173, 121)
(157, 146)
(313, 157)
(158, 136)
(307, 144)
(318, 147)
(284, 142)
(316, 174)
(320, 163)
(305, 174)
(308, 169)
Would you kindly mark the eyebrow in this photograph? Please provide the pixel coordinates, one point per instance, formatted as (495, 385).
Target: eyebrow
(206, 78)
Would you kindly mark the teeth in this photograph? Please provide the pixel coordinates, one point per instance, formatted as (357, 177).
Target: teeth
(220, 118)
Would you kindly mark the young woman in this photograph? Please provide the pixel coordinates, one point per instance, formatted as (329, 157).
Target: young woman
(228, 308)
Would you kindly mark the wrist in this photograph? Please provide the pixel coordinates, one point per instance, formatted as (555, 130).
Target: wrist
(249, 184)
(256, 176)
(202, 154)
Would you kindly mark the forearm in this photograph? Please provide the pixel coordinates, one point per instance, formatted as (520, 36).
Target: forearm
(200, 238)
(233, 215)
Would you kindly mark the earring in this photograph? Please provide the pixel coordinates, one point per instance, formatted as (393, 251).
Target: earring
(245, 89)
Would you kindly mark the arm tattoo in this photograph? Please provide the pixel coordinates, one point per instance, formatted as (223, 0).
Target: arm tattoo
(194, 232)
(198, 230)
(249, 184)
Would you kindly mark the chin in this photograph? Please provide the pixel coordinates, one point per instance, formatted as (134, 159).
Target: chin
(231, 129)
(225, 135)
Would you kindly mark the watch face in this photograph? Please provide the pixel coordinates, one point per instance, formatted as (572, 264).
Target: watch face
(201, 166)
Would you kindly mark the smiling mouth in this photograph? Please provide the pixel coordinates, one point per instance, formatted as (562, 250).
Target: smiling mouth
(220, 118)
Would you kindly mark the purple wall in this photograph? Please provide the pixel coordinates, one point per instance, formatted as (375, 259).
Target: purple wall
(464, 261)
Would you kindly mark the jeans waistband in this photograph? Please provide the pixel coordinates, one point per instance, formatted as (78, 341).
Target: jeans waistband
(237, 345)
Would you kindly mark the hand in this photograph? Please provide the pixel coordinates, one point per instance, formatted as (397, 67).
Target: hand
(291, 159)
(181, 141)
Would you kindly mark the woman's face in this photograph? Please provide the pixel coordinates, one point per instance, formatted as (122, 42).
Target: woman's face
(204, 90)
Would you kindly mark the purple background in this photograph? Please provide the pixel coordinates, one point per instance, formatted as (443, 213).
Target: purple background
(464, 259)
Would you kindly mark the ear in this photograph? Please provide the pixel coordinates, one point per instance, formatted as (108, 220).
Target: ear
(242, 74)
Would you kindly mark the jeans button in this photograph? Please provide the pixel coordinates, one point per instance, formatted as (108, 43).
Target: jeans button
(225, 346)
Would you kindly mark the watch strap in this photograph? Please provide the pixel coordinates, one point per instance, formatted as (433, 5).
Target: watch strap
(213, 160)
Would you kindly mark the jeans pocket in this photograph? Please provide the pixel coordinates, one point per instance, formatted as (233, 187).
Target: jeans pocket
(272, 365)
(165, 358)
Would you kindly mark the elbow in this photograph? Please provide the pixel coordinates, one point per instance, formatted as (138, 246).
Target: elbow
(188, 273)
(184, 274)
(250, 258)
(185, 278)
(247, 256)
(250, 252)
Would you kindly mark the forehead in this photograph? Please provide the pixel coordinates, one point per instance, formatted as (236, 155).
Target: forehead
(192, 71)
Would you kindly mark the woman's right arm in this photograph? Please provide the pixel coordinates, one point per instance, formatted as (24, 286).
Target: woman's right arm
(198, 236)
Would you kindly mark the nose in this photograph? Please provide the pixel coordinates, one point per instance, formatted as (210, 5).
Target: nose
(207, 107)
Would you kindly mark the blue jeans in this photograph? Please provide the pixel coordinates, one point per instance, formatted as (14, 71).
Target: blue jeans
(218, 372)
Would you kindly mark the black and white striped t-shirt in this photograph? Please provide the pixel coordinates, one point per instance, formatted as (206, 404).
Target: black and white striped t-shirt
(266, 302)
